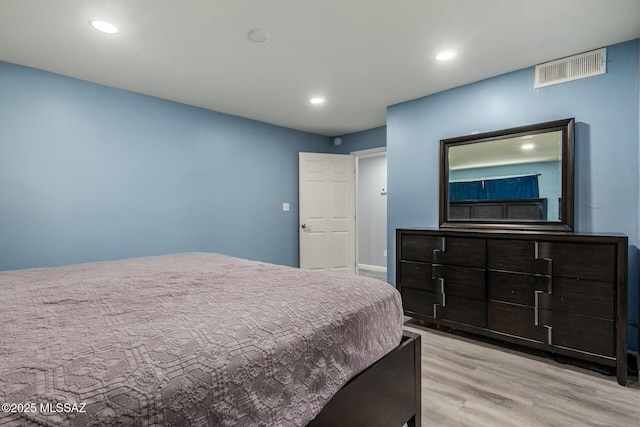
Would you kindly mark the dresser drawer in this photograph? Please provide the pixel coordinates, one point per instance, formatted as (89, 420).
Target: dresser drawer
(461, 281)
(516, 320)
(515, 256)
(414, 247)
(416, 275)
(461, 251)
(463, 310)
(515, 288)
(584, 297)
(589, 261)
(583, 333)
(555, 329)
(420, 301)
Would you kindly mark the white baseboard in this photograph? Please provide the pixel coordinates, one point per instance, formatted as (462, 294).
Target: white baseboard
(375, 268)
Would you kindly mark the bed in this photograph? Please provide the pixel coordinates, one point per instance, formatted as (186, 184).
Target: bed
(203, 339)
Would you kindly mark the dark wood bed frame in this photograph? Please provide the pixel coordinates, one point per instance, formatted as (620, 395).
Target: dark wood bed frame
(386, 394)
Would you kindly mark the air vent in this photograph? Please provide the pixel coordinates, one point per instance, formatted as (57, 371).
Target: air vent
(572, 68)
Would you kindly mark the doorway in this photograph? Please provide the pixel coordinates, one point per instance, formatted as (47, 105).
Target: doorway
(371, 213)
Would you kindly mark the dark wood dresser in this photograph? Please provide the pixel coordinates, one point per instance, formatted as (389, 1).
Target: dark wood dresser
(560, 292)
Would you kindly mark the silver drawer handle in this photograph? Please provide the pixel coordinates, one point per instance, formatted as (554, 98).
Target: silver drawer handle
(443, 248)
(549, 334)
(536, 306)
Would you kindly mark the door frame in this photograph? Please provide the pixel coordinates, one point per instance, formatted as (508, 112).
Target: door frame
(364, 154)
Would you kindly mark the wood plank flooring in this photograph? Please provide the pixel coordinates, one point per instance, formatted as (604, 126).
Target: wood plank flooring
(466, 382)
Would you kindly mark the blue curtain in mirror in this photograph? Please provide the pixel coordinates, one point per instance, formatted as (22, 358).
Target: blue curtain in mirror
(470, 190)
(520, 187)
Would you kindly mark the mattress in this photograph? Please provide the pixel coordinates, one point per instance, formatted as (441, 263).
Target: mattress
(185, 339)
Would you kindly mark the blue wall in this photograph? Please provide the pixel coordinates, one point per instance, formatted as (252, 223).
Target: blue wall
(89, 172)
(607, 137)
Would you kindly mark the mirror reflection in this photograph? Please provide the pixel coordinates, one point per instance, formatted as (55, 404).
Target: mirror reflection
(517, 178)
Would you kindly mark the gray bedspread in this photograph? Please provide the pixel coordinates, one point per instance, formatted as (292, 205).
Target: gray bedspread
(186, 339)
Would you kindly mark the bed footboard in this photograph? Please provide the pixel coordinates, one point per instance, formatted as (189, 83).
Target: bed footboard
(388, 393)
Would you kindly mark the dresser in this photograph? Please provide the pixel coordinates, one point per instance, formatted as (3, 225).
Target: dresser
(560, 292)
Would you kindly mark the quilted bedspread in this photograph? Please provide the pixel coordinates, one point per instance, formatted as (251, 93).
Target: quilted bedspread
(186, 339)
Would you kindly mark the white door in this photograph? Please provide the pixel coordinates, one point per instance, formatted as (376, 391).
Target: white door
(327, 212)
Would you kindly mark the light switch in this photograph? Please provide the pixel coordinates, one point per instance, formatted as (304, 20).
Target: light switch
(285, 207)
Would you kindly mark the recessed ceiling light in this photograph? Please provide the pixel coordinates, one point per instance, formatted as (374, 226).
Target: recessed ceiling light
(104, 26)
(446, 55)
(317, 100)
(258, 36)
(527, 146)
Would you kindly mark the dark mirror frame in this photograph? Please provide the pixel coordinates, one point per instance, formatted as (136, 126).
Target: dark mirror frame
(567, 167)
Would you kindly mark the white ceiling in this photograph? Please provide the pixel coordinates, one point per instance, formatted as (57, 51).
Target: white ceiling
(362, 55)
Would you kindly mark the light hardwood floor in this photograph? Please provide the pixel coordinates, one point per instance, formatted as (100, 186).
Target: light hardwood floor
(466, 382)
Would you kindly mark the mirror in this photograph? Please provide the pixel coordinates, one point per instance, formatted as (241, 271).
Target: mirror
(519, 178)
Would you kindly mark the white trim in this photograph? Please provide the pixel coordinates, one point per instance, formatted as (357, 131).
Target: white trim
(375, 268)
(371, 152)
